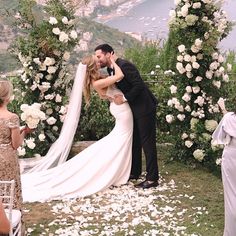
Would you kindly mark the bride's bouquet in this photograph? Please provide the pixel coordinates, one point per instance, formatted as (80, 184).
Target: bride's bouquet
(32, 114)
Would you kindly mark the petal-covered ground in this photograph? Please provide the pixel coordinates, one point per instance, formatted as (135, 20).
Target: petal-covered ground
(166, 210)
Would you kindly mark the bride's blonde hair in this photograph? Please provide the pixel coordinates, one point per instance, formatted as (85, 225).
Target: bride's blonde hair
(6, 90)
(92, 73)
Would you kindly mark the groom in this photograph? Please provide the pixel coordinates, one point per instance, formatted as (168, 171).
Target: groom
(143, 105)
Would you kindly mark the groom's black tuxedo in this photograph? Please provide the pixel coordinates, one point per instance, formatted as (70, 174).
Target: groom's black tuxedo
(143, 105)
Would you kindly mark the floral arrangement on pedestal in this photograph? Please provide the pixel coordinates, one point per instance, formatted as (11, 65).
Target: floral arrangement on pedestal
(48, 37)
(201, 73)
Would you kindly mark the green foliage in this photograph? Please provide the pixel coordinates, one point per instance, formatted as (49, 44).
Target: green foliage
(145, 57)
(200, 79)
(43, 49)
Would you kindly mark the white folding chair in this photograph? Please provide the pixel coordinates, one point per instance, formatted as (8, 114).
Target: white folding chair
(14, 216)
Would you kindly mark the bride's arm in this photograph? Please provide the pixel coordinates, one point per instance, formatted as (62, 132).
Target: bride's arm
(103, 83)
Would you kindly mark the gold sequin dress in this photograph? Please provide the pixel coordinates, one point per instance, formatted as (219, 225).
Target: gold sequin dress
(9, 165)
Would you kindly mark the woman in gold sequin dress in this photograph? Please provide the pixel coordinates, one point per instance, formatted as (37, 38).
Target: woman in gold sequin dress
(11, 137)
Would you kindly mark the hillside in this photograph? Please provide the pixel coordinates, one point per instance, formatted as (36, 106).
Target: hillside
(98, 33)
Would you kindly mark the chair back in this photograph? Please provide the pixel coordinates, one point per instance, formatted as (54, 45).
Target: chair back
(7, 196)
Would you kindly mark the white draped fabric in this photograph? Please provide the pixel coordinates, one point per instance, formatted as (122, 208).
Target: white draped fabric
(59, 150)
(225, 134)
(103, 164)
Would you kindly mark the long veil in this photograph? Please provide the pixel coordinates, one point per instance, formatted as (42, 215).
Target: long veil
(60, 149)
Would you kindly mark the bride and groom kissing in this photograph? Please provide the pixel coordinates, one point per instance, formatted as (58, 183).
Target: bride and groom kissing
(116, 158)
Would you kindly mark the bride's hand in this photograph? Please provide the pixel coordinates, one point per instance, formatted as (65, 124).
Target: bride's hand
(112, 57)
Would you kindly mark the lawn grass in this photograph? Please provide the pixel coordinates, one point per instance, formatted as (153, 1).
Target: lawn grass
(188, 202)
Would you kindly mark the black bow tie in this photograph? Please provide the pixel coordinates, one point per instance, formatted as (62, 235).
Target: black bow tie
(110, 70)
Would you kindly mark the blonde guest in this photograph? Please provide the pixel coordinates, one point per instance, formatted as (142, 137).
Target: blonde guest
(11, 137)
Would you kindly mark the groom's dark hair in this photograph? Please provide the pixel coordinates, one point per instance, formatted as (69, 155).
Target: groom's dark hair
(105, 48)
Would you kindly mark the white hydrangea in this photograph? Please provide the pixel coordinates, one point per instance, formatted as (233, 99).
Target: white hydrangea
(211, 125)
(199, 154)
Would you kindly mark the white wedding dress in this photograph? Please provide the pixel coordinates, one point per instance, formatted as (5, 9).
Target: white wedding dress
(105, 163)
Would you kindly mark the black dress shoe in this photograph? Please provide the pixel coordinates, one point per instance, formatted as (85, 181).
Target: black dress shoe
(147, 184)
(132, 177)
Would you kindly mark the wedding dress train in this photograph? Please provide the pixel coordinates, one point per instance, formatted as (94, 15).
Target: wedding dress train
(105, 163)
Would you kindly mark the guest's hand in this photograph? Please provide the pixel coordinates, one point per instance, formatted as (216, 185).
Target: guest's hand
(221, 103)
(119, 99)
(26, 130)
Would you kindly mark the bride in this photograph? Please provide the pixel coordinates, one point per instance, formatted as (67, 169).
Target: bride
(103, 164)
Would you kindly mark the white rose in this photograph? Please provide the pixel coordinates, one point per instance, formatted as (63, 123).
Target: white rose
(66, 56)
(188, 108)
(65, 20)
(188, 67)
(30, 143)
(52, 69)
(187, 57)
(63, 37)
(181, 48)
(196, 89)
(195, 65)
(181, 117)
(184, 10)
(209, 74)
(51, 120)
(188, 143)
(184, 136)
(229, 67)
(198, 43)
(186, 97)
(180, 58)
(198, 79)
(169, 118)
(216, 83)
(200, 101)
(189, 74)
(225, 78)
(49, 111)
(58, 98)
(37, 61)
(21, 151)
(173, 89)
(53, 20)
(42, 137)
(188, 89)
(56, 31)
(49, 61)
(177, 2)
(218, 161)
(196, 5)
(194, 49)
(73, 34)
(55, 128)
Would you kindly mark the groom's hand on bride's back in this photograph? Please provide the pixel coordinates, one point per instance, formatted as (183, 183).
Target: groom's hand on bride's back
(119, 99)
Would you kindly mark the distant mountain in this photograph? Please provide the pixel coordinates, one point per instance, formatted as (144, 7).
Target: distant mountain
(92, 34)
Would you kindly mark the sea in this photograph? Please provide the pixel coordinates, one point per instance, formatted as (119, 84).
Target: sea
(149, 18)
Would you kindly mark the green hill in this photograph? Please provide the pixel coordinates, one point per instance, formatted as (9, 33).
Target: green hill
(100, 34)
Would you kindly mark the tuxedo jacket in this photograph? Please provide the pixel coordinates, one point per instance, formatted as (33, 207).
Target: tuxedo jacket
(138, 95)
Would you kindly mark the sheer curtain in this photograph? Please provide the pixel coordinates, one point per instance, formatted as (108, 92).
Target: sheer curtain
(60, 149)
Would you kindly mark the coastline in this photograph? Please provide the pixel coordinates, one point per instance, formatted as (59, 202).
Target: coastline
(121, 10)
